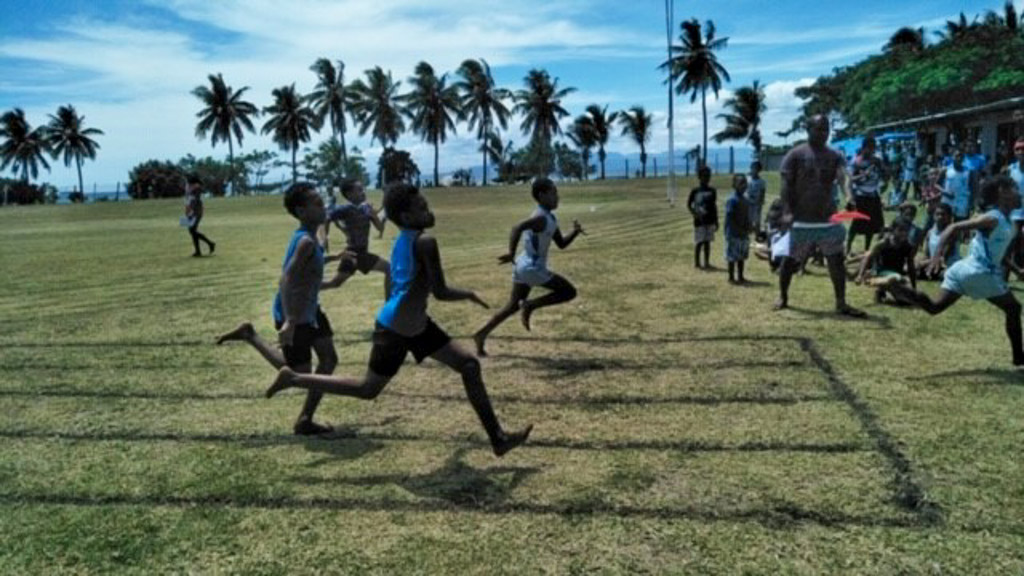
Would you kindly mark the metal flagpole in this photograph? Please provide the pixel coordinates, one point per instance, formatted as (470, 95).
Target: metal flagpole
(669, 20)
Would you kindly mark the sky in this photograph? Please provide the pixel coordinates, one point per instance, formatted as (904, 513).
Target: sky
(129, 66)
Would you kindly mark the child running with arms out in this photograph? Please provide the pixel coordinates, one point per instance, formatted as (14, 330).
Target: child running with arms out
(302, 326)
(403, 325)
(540, 229)
(737, 230)
(703, 205)
(354, 220)
(980, 275)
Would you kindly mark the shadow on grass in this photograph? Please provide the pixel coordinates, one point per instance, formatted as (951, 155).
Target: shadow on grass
(881, 321)
(995, 376)
(455, 482)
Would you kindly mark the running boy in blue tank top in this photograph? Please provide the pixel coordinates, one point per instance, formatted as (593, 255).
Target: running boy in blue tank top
(354, 220)
(980, 275)
(540, 229)
(403, 325)
(302, 326)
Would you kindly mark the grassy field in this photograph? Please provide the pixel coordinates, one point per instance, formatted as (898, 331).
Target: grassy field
(681, 426)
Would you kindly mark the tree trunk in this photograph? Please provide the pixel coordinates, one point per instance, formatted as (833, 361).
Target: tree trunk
(78, 160)
(485, 165)
(485, 130)
(295, 166)
(437, 179)
(231, 167)
(643, 162)
(341, 138)
(601, 156)
(704, 109)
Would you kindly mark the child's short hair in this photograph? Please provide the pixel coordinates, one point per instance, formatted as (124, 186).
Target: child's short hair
(991, 186)
(704, 170)
(349, 185)
(908, 207)
(297, 195)
(737, 177)
(193, 178)
(540, 186)
(899, 223)
(755, 165)
(945, 208)
(397, 198)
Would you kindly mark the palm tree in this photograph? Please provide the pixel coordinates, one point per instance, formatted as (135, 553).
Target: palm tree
(65, 135)
(743, 121)
(906, 39)
(583, 135)
(601, 121)
(23, 148)
(482, 102)
(636, 123)
(430, 108)
(492, 148)
(376, 106)
(697, 67)
(957, 29)
(290, 122)
(541, 105)
(225, 114)
(330, 98)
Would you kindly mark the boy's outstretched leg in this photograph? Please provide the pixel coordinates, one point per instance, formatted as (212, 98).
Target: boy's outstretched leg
(468, 367)
(788, 267)
(246, 333)
(326, 362)
(519, 293)
(561, 291)
(1012, 309)
(384, 266)
(368, 388)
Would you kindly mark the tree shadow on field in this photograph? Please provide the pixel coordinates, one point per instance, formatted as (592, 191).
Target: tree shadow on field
(992, 376)
(454, 482)
(882, 322)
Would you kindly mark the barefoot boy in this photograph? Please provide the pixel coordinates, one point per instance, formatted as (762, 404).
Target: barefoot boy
(301, 324)
(737, 230)
(532, 264)
(403, 325)
(354, 220)
(703, 205)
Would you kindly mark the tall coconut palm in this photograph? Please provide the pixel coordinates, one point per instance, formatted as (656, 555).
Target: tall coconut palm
(431, 107)
(602, 121)
(290, 122)
(224, 115)
(957, 29)
(376, 107)
(696, 67)
(482, 102)
(22, 148)
(906, 39)
(636, 123)
(66, 136)
(743, 121)
(583, 135)
(492, 148)
(330, 99)
(541, 105)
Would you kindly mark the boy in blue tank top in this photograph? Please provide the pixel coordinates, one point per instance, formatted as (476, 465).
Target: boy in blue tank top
(302, 326)
(980, 275)
(531, 266)
(403, 325)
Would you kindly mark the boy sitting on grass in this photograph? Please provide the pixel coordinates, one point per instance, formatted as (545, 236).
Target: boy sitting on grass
(890, 261)
(403, 325)
(302, 326)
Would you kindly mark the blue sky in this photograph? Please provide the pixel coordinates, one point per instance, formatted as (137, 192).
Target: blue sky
(129, 65)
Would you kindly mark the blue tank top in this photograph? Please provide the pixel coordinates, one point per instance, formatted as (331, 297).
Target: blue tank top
(989, 247)
(535, 245)
(405, 311)
(312, 278)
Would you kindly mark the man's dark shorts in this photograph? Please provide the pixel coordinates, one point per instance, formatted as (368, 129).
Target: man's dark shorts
(365, 261)
(390, 348)
(300, 353)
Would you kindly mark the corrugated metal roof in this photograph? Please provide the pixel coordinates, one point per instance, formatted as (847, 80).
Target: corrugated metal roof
(980, 109)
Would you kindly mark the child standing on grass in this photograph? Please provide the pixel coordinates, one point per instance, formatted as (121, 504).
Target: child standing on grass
(980, 275)
(403, 325)
(354, 220)
(540, 229)
(737, 230)
(889, 261)
(756, 189)
(703, 205)
(302, 326)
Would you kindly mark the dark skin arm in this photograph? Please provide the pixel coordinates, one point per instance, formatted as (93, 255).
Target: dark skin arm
(535, 224)
(429, 257)
(376, 221)
(564, 242)
(911, 270)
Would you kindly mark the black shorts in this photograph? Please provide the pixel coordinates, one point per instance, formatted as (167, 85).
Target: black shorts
(365, 261)
(390, 348)
(300, 353)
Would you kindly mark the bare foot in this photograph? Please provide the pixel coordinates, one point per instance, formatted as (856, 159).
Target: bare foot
(525, 313)
(245, 331)
(510, 441)
(479, 339)
(780, 305)
(283, 380)
(310, 428)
